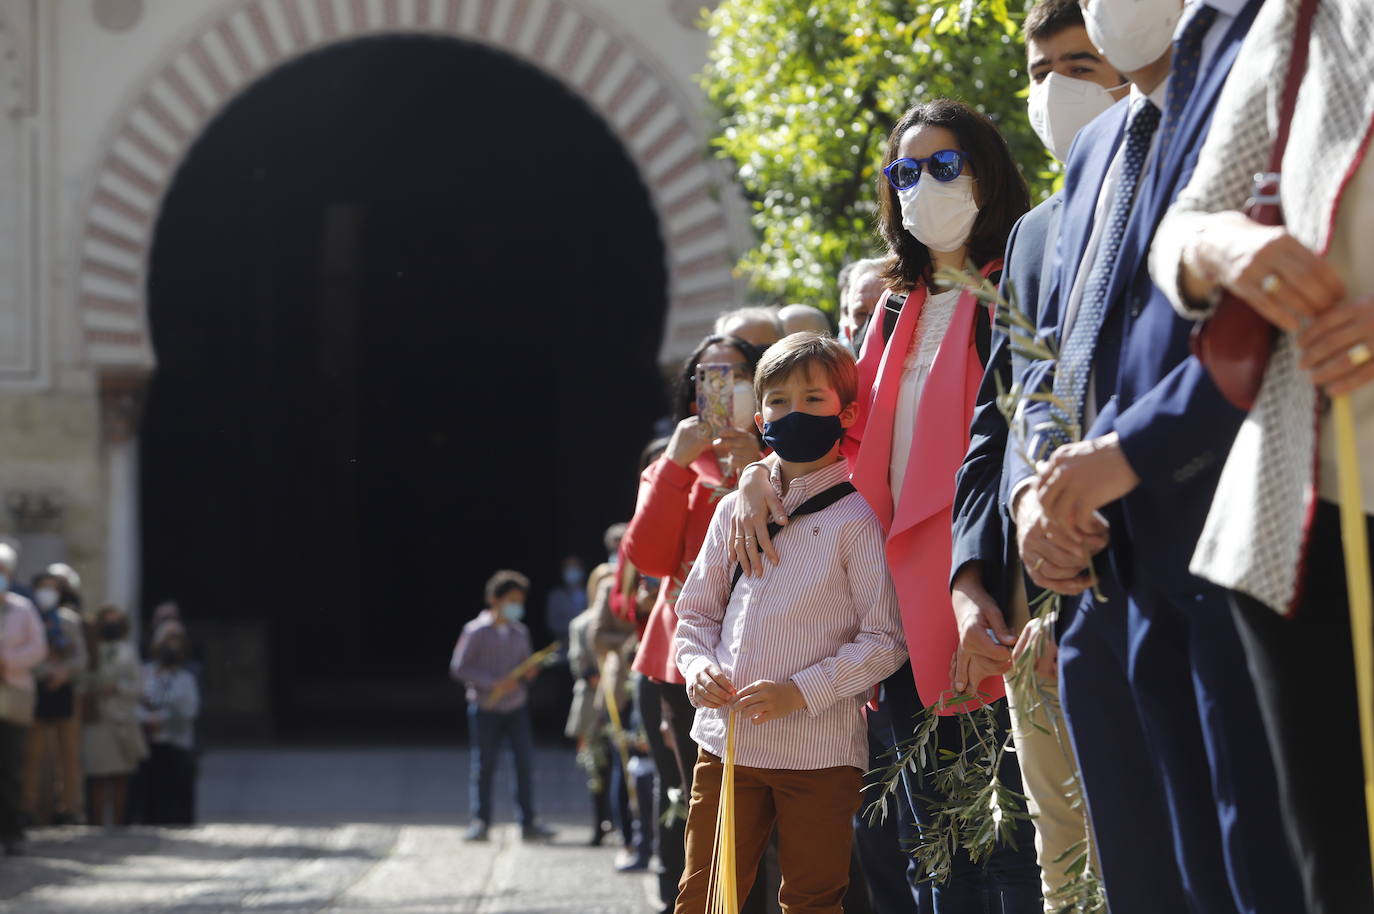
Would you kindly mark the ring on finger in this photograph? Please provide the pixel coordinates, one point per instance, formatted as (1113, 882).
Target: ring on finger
(1270, 284)
(1040, 560)
(1359, 354)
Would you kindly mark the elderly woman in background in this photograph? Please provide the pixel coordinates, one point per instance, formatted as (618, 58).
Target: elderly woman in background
(168, 711)
(23, 646)
(54, 749)
(1273, 534)
(112, 740)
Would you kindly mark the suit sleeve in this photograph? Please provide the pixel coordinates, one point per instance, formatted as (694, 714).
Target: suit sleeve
(1030, 421)
(654, 541)
(979, 533)
(1177, 429)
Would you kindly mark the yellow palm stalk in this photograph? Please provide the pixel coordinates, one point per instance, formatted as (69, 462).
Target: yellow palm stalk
(1357, 584)
(723, 888)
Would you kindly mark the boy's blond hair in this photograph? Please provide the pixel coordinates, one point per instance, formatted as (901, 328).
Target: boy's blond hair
(798, 351)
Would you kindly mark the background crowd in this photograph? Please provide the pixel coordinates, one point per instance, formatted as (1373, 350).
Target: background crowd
(93, 729)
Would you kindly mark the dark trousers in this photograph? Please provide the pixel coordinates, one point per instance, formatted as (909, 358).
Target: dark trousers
(678, 714)
(169, 784)
(1304, 675)
(634, 821)
(1120, 783)
(1008, 881)
(487, 730)
(888, 869)
(649, 699)
(11, 776)
(1201, 717)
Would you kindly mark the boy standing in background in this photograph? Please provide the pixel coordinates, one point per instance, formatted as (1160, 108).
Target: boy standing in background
(487, 657)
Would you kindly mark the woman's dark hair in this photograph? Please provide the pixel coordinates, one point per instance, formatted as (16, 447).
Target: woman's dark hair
(503, 582)
(65, 595)
(1001, 191)
(652, 451)
(117, 616)
(685, 394)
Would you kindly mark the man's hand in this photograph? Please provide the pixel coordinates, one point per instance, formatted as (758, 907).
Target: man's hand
(756, 505)
(984, 639)
(1055, 556)
(1081, 477)
(766, 700)
(1038, 638)
(711, 688)
(1328, 342)
(1279, 276)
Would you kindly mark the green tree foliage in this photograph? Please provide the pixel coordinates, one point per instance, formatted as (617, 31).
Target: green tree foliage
(807, 91)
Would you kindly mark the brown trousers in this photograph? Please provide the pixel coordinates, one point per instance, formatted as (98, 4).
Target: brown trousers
(814, 812)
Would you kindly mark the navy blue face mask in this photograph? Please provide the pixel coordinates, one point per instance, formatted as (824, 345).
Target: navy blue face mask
(800, 437)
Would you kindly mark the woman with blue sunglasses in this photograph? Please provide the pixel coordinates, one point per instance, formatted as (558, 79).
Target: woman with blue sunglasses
(949, 195)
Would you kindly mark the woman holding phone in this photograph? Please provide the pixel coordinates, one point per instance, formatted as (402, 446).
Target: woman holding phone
(678, 493)
(949, 194)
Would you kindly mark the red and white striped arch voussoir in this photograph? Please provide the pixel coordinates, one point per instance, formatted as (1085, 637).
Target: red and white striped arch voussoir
(250, 38)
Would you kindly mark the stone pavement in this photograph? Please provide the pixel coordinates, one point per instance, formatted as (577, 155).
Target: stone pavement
(339, 831)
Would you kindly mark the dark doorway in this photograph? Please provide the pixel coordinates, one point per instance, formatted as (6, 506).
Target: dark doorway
(406, 295)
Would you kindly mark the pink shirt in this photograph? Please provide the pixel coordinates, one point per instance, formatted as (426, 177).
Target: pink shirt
(23, 645)
(826, 618)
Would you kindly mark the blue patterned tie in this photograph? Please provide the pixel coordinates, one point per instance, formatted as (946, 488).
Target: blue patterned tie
(1183, 68)
(1076, 357)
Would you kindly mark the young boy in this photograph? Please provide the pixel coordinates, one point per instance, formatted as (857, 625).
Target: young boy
(805, 644)
(485, 658)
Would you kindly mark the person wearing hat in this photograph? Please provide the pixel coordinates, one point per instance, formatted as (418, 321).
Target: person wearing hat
(23, 645)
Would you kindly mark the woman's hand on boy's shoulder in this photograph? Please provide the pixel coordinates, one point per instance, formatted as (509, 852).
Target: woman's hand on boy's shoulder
(756, 505)
(767, 700)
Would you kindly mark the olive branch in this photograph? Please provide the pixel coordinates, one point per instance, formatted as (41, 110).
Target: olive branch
(972, 809)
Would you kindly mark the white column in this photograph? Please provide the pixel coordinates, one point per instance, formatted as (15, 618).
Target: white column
(123, 549)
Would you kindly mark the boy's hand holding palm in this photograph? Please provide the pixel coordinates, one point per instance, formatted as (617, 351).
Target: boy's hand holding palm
(766, 700)
(763, 700)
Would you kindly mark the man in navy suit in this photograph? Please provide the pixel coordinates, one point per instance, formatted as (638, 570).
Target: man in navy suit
(1071, 83)
(1157, 428)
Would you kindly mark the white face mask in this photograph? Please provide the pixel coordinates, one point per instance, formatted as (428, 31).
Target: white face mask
(1060, 106)
(1131, 33)
(744, 406)
(46, 597)
(939, 214)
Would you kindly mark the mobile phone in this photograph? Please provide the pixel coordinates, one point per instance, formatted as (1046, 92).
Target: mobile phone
(716, 395)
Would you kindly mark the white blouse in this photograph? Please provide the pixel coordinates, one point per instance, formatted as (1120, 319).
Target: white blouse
(925, 345)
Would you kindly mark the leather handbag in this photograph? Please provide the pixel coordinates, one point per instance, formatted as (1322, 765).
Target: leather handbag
(1235, 343)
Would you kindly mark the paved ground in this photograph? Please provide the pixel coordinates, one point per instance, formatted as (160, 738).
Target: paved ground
(373, 830)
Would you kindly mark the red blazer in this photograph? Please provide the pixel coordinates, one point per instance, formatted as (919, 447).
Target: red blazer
(919, 538)
(674, 510)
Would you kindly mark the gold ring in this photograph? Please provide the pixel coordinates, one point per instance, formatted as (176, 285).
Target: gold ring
(1359, 354)
(1270, 284)
(1038, 562)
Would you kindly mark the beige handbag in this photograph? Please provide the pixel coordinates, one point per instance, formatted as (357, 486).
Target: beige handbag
(16, 704)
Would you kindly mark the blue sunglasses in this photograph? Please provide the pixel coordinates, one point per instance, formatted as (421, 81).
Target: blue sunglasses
(945, 165)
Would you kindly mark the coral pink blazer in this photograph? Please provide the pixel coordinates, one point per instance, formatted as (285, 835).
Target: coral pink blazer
(919, 539)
